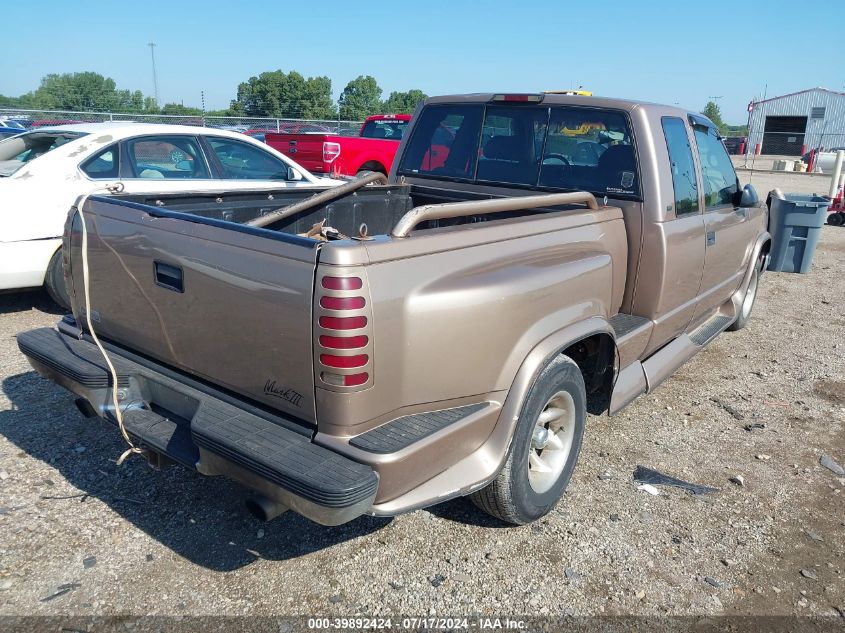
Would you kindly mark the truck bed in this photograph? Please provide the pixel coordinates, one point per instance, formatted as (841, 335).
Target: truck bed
(377, 206)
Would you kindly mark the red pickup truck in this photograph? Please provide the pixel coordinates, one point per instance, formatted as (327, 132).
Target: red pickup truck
(372, 150)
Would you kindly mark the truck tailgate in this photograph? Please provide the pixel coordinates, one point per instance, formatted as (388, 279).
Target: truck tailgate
(305, 149)
(228, 303)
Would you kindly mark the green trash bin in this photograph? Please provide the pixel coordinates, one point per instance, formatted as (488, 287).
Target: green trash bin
(795, 222)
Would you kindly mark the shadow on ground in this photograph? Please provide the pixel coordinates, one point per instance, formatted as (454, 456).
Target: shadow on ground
(21, 301)
(200, 518)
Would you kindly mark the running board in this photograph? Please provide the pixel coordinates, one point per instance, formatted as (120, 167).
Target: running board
(637, 378)
(706, 332)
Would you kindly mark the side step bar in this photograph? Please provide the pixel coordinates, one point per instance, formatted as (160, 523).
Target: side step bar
(637, 378)
(200, 431)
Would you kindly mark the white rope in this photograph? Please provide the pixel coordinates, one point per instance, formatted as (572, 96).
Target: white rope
(114, 188)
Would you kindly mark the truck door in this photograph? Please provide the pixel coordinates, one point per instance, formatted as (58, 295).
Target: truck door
(725, 223)
(677, 244)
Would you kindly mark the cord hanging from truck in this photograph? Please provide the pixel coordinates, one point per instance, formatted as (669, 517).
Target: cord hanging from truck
(86, 284)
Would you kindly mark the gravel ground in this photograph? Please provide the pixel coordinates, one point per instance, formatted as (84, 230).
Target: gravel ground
(80, 535)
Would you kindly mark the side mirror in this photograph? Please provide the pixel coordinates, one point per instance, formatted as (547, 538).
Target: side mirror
(748, 197)
(183, 165)
(293, 174)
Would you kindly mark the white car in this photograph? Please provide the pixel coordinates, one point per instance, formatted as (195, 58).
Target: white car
(43, 171)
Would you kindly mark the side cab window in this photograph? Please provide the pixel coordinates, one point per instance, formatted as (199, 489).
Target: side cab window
(170, 157)
(683, 166)
(717, 170)
(103, 164)
(241, 160)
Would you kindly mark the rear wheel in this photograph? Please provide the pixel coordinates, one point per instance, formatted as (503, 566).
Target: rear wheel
(544, 449)
(836, 219)
(54, 281)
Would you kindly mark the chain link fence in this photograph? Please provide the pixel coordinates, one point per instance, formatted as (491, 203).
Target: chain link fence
(248, 125)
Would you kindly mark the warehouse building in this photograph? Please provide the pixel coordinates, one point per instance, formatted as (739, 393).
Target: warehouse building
(793, 124)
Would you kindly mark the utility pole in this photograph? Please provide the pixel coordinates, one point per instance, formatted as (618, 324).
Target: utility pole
(152, 46)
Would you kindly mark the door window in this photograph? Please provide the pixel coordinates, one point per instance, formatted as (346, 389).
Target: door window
(683, 167)
(717, 171)
(243, 161)
(104, 164)
(170, 157)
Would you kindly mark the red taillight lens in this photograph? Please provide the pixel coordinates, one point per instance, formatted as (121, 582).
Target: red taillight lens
(343, 323)
(344, 362)
(518, 98)
(353, 380)
(343, 342)
(330, 151)
(342, 303)
(349, 380)
(342, 283)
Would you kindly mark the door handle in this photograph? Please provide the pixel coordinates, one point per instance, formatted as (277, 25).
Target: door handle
(711, 238)
(169, 276)
(741, 211)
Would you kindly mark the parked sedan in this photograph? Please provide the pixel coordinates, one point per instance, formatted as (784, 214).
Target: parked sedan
(43, 171)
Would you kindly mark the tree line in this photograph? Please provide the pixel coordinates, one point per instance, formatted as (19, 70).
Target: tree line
(274, 94)
(713, 112)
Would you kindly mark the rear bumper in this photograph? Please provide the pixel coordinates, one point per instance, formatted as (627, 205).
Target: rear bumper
(24, 264)
(208, 432)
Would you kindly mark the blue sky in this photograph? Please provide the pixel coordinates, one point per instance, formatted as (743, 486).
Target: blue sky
(669, 52)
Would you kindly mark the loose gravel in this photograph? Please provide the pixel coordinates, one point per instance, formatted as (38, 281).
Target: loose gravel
(753, 415)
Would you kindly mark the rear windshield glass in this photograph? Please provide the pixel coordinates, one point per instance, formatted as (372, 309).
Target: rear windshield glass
(17, 151)
(390, 129)
(557, 147)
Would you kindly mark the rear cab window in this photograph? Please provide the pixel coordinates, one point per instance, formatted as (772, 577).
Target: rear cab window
(389, 129)
(554, 147)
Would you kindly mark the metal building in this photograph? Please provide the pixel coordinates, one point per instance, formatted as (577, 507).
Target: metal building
(793, 124)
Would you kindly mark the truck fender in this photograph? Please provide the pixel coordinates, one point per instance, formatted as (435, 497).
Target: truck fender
(763, 241)
(498, 444)
(374, 160)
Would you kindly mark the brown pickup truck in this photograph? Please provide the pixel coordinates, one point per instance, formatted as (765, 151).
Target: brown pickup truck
(446, 336)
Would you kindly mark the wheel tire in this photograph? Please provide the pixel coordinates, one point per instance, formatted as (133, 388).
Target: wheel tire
(747, 302)
(54, 281)
(836, 219)
(513, 496)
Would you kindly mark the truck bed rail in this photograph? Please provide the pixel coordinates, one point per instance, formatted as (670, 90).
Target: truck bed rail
(479, 207)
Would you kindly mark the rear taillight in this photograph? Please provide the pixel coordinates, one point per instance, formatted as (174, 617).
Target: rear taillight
(330, 151)
(341, 283)
(342, 303)
(343, 323)
(343, 347)
(343, 342)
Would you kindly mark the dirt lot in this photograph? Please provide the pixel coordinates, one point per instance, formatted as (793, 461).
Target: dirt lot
(80, 535)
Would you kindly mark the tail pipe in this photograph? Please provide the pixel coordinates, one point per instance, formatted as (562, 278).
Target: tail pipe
(263, 508)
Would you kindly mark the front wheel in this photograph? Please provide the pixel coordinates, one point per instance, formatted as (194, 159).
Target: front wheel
(54, 281)
(747, 302)
(544, 449)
